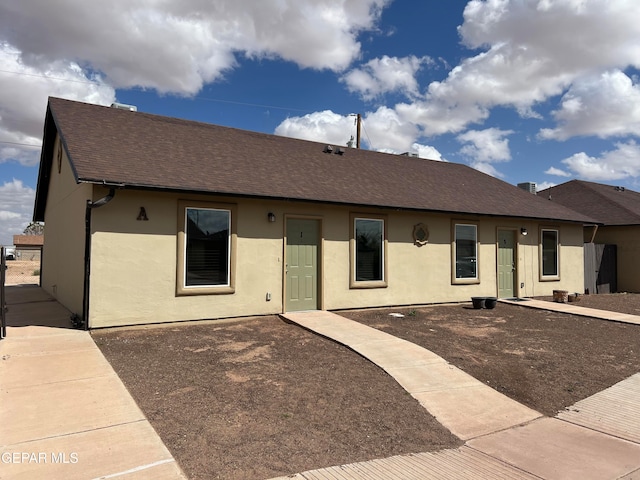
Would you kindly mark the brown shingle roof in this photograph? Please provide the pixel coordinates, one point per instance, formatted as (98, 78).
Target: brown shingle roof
(135, 149)
(608, 204)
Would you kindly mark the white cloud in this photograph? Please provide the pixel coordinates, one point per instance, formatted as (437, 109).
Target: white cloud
(486, 146)
(621, 163)
(16, 209)
(23, 100)
(5, 215)
(533, 50)
(544, 185)
(386, 74)
(487, 168)
(133, 42)
(325, 126)
(557, 172)
(605, 105)
(428, 152)
(382, 130)
(436, 117)
(573, 35)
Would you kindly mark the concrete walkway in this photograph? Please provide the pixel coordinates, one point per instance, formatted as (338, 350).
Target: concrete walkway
(444, 390)
(574, 309)
(504, 439)
(64, 413)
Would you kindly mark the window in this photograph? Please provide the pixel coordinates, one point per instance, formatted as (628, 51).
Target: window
(368, 252)
(205, 242)
(465, 255)
(549, 254)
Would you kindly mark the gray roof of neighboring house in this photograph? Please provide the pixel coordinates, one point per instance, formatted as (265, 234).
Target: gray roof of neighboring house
(608, 204)
(138, 150)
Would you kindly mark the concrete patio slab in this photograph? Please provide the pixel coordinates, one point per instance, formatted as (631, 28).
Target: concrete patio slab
(36, 341)
(42, 313)
(70, 406)
(456, 464)
(553, 449)
(631, 476)
(64, 411)
(60, 366)
(596, 413)
(475, 411)
(27, 294)
(127, 451)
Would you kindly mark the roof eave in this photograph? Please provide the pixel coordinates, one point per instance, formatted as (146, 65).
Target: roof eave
(44, 170)
(49, 135)
(158, 188)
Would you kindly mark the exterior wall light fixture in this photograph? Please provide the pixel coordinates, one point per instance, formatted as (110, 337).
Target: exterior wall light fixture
(271, 217)
(523, 231)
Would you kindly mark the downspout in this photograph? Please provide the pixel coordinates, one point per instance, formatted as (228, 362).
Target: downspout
(593, 235)
(87, 251)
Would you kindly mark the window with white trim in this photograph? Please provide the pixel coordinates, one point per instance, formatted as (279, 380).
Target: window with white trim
(205, 243)
(368, 252)
(549, 254)
(465, 255)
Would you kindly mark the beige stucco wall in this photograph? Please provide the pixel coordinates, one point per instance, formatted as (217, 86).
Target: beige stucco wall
(62, 272)
(423, 274)
(133, 276)
(571, 260)
(628, 254)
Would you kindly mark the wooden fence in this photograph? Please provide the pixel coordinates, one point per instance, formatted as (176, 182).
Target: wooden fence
(600, 268)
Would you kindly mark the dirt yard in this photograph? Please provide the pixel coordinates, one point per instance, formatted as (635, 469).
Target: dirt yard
(20, 272)
(545, 360)
(261, 398)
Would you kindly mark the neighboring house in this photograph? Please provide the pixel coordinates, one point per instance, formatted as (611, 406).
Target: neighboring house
(617, 209)
(28, 247)
(186, 220)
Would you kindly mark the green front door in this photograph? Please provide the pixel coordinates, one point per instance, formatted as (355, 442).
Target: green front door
(506, 264)
(302, 264)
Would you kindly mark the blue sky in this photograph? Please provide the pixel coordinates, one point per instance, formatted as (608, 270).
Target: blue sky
(526, 90)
